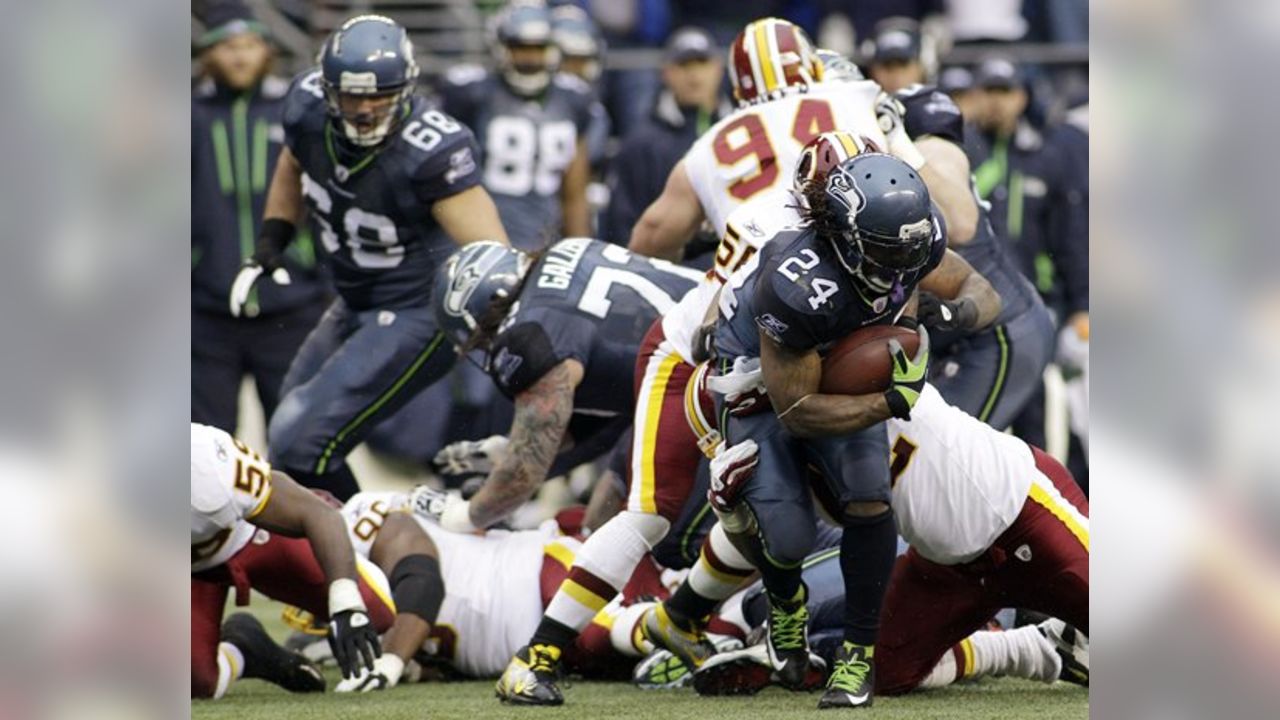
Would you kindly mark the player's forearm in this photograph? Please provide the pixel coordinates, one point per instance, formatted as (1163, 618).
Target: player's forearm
(984, 296)
(820, 415)
(327, 534)
(284, 197)
(946, 173)
(541, 419)
(577, 215)
(651, 239)
(470, 216)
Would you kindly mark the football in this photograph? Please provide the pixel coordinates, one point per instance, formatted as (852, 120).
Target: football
(859, 364)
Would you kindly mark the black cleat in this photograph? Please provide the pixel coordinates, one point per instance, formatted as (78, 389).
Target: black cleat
(787, 640)
(853, 678)
(265, 660)
(1072, 647)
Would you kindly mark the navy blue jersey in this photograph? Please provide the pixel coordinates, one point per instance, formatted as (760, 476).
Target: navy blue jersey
(932, 112)
(528, 144)
(801, 297)
(375, 215)
(593, 302)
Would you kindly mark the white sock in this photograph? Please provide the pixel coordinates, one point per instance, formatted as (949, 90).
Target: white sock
(624, 633)
(1022, 653)
(230, 668)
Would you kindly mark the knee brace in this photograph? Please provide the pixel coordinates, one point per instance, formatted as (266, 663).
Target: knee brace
(417, 587)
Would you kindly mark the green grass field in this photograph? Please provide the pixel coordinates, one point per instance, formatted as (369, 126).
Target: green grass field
(254, 700)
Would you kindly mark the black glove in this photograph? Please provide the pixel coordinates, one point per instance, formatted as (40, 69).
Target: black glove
(942, 314)
(704, 341)
(353, 640)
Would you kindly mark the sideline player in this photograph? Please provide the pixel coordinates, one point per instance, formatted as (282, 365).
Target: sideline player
(247, 528)
(870, 236)
(531, 122)
(992, 522)
(559, 331)
(387, 179)
(785, 100)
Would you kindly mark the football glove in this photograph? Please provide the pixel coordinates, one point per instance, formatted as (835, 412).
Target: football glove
(352, 637)
(449, 510)
(742, 387)
(267, 257)
(731, 468)
(385, 675)
(470, 457)
(890, 113)
(909, 376)
(947, 315)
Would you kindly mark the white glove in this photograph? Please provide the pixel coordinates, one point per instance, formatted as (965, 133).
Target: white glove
(384, 676)
(243, 284)
(471, 457)
(1073, 351)
(448, 509)
(742, 387)
(889, 113)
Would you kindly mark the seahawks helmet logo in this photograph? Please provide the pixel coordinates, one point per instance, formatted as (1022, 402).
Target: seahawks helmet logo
(849, 194)
(461, 287)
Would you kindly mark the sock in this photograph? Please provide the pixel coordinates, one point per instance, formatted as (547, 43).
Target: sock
(625, 635)
(719, 572)
(867, 553)
(230, 667)
(601, 568)
(1022, 653)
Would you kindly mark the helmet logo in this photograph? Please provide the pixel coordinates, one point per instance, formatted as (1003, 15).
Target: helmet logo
(460, 289)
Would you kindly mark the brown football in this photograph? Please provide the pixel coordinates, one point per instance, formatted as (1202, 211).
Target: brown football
(859, 363)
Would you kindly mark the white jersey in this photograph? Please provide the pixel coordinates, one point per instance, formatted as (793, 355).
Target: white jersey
(957, 482)
(756, 148)
(747, 230)
(492, 601)
(230, 484)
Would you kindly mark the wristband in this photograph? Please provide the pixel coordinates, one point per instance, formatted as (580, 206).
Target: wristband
(275, 236)
(344, 595)
(457, 517)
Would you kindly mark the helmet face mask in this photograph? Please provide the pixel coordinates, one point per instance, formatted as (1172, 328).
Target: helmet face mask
(523, 46)
(837, 67)
(368, 73)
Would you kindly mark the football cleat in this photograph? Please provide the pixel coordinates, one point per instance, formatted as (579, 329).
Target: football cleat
(748, 671)
(530, 677)
(265, 660)
(689, 644)
(1072, 647)
(787, 639)
(662, 669)
(853, 678)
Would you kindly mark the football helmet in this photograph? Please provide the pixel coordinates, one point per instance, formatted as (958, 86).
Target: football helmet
(522, 25)
(837, 67)
(579, 41)
(368, 73)
(769, 57)
(469, 281)
(884, 220)
(826, 151)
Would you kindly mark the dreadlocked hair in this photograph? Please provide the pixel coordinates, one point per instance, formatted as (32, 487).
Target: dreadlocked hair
(816, 211)
(488, 323)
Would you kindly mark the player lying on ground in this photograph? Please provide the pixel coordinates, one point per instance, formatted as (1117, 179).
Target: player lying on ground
(558, 332)
(255, 528)
(497, 584)
(992, 522)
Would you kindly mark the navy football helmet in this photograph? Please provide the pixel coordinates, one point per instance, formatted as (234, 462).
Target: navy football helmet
(837, 67)
(368, 73)
(525, 24)
(468, 283)
(885, 220)
(579, 40)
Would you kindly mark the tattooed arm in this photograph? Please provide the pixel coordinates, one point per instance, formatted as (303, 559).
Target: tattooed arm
(541, 417)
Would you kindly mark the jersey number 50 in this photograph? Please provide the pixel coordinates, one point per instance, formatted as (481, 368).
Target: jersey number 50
(747, 137)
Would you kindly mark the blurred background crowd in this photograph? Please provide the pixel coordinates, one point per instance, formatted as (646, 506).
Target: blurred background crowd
(1018, 69)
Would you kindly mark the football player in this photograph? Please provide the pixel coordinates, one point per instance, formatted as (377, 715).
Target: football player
(992, 522)
(785, 101)
(388, 180)
(558, 331)
(582, 49)
(252, 527)
(532, 123)
(869, 236)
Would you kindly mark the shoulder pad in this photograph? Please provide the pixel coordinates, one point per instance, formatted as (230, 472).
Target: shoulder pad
(572, 83)
(465, 74)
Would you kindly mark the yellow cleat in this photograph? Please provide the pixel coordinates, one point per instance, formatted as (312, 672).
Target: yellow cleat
(690, 645)
(530, 677)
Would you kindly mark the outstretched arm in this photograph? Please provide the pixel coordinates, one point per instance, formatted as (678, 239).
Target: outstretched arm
(671, 221)
(470, 216)
(541, 417)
